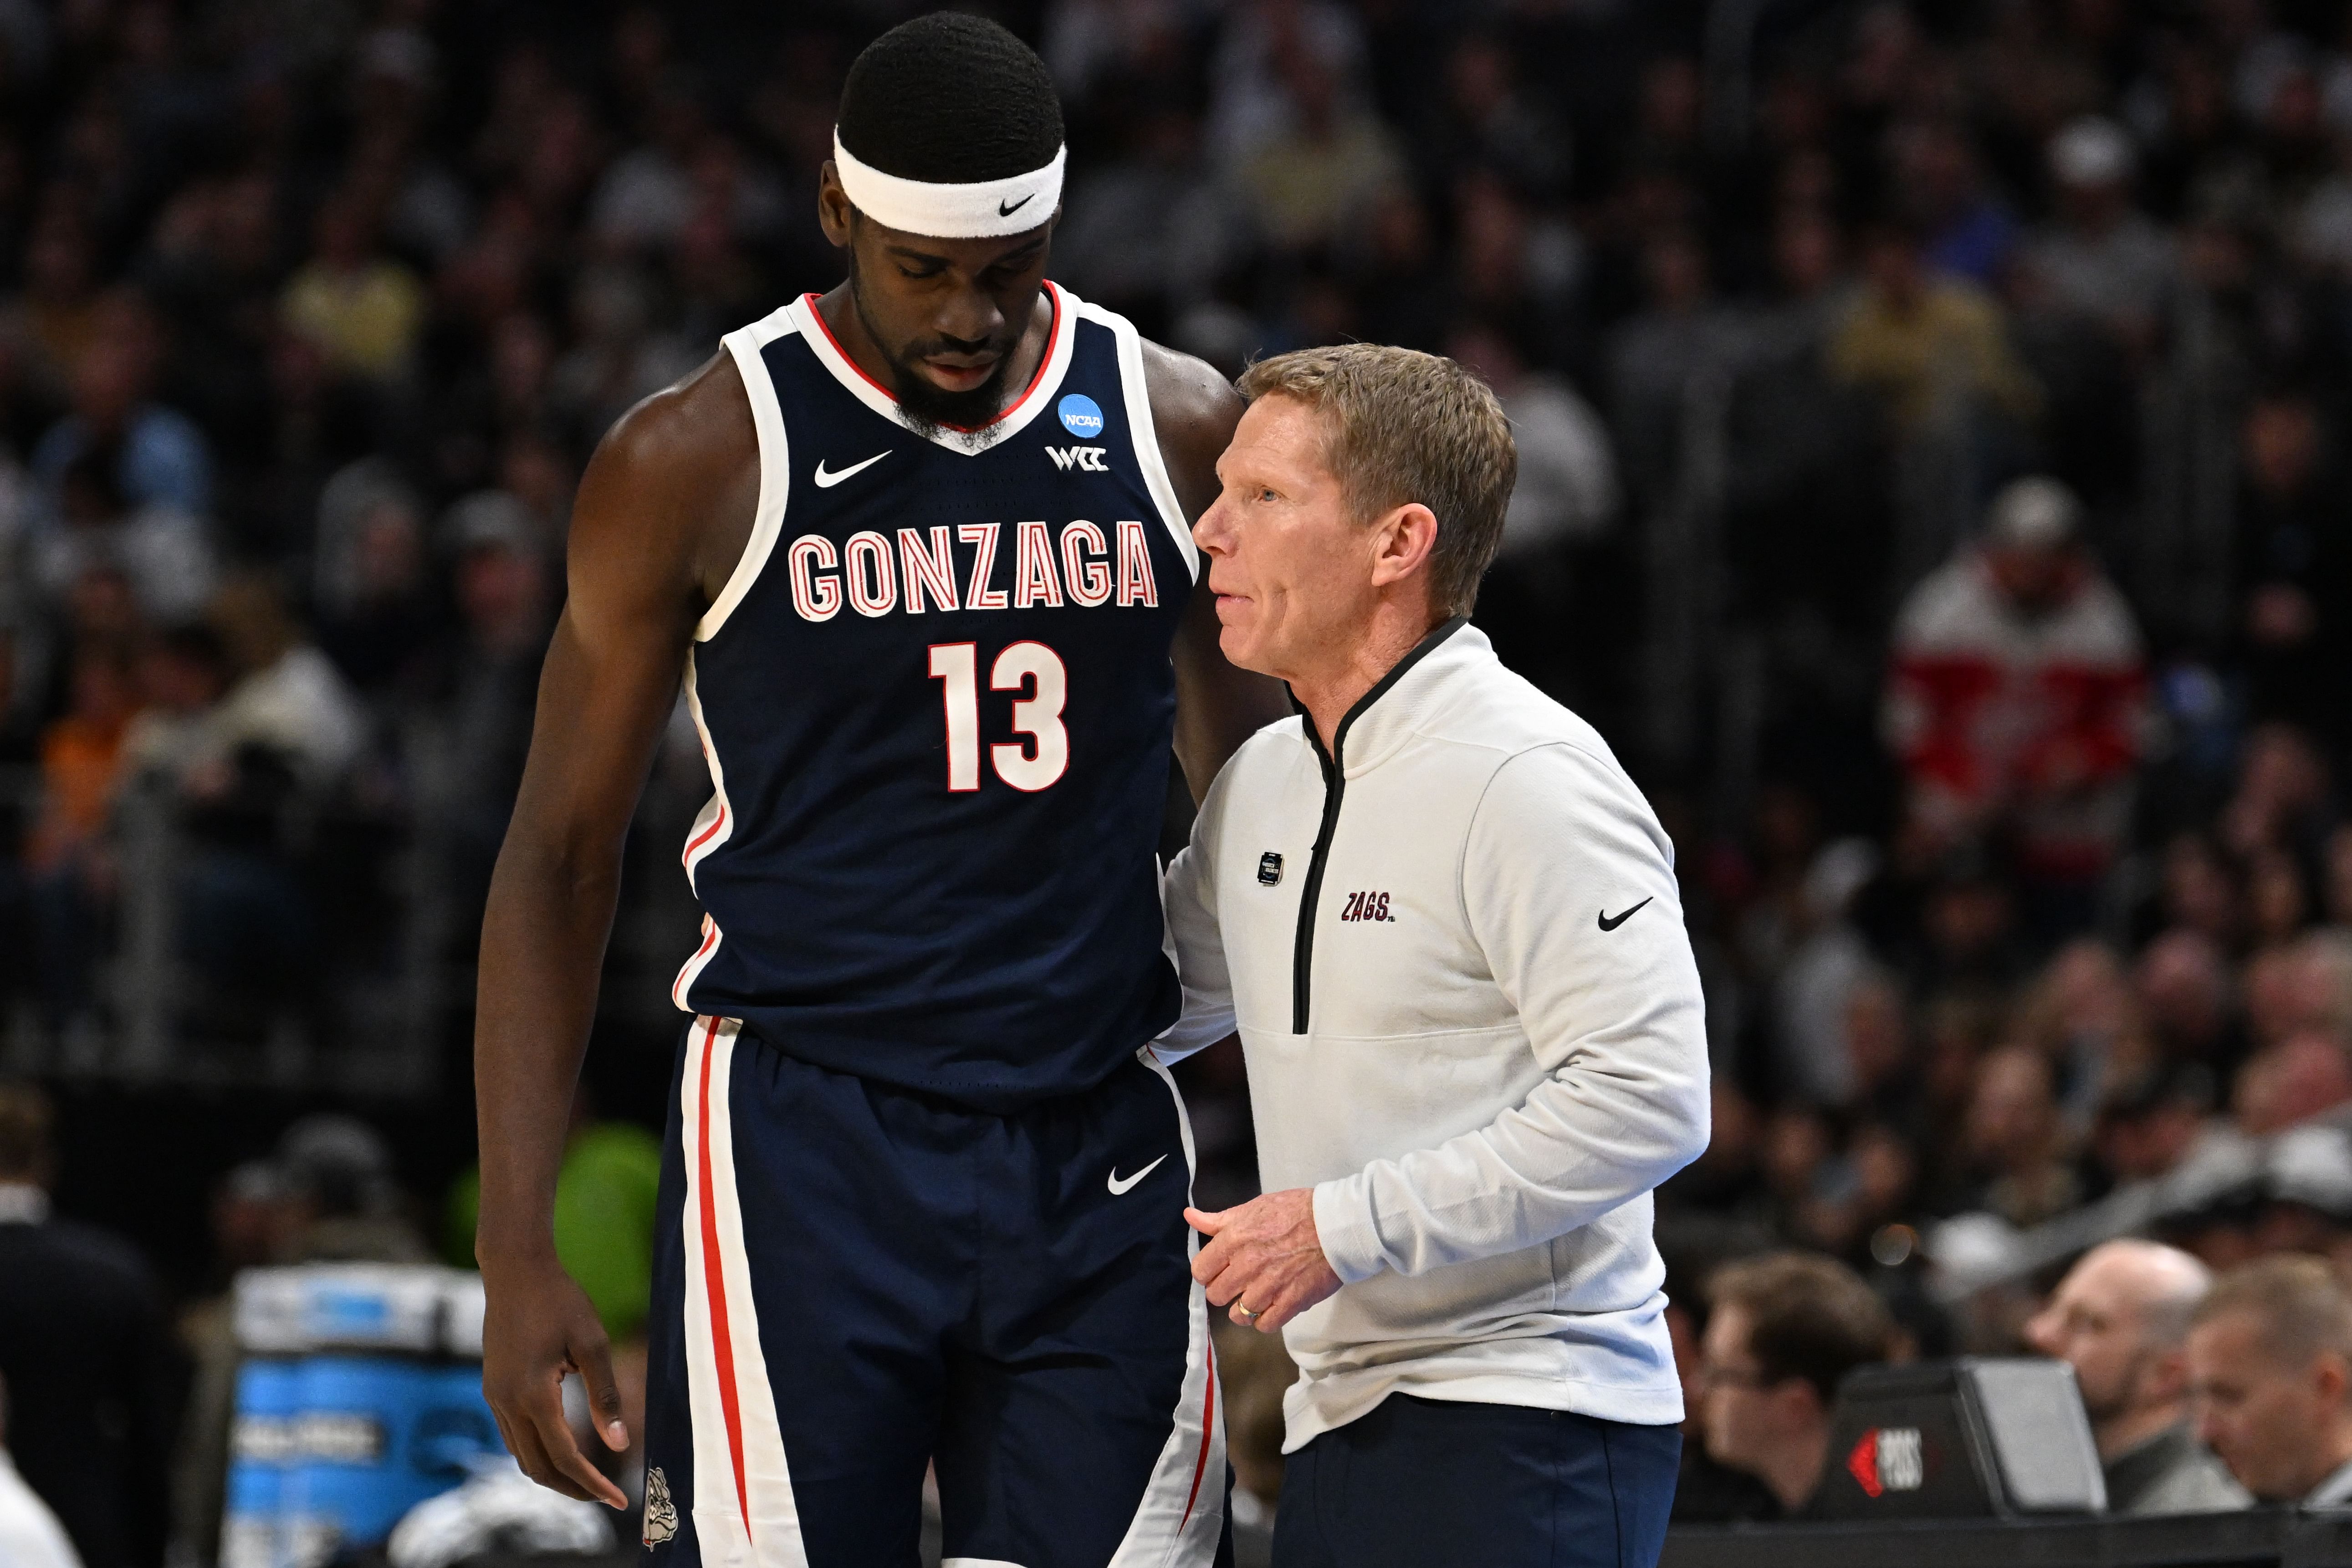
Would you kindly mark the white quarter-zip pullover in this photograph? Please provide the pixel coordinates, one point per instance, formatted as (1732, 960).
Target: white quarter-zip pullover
(1456, 955)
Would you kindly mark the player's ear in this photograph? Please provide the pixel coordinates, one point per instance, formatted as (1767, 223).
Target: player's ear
(834, 213)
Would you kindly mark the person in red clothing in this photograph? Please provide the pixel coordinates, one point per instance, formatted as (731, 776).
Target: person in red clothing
(2015, 697)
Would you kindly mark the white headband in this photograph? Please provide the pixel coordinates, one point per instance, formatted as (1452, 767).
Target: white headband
(982, 210)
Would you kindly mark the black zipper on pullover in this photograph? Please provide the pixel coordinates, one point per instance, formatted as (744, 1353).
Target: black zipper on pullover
(1335, 786)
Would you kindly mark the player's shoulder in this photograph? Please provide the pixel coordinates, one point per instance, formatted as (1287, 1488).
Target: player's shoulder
(701, 419)
(672, 486)
(1194, 407)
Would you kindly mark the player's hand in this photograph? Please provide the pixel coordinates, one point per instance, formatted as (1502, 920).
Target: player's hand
(1263, 1257)
(540, 1326)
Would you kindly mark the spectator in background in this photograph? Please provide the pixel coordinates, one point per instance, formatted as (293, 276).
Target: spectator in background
(1152, 230)
(1563, 504)
(2307, 1186)
(161, 550)
(372, 585)
(2292, 1081)
(2269, 1367)
(1969, 231)
(2293, 560)
(84, 1355)
(287, 700)
(484, 684)
(163, 459)
(621, 354)
(361, 309)
(1324, 169)
(1566, 492)
(2102, 259)
(1921, 341)
(80, 765)
(2183, 984)
(2015, 1140)
(30, 1535)
(2120, 1319)
(183, 674)
(2015, 701)
(2152, 1121)
(1783, 1330)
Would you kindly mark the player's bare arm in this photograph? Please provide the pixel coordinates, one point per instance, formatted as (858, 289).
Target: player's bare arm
(662, 516)
(1218, 706)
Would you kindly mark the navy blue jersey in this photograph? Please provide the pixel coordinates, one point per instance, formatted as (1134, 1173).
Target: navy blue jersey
(937, 703)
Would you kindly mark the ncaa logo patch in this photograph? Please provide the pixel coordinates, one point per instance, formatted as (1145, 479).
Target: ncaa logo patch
(1081, 416)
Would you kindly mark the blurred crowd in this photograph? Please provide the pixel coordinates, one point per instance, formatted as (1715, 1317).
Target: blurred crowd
(1932, 424)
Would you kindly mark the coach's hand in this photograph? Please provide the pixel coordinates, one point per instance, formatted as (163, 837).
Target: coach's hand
(1264, 1258)
(540, 1326)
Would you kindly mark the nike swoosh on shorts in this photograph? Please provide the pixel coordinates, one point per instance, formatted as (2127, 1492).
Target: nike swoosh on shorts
(1119, 1185)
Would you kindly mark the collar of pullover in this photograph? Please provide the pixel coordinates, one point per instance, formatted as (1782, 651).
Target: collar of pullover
(1392, 711)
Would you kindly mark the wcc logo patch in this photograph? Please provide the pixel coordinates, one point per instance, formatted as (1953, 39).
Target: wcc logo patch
(1085, 460)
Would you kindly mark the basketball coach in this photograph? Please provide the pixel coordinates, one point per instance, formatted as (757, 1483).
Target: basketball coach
(1447, 926)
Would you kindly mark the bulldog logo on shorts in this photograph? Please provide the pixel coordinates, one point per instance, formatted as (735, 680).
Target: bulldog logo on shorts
(661, 1514)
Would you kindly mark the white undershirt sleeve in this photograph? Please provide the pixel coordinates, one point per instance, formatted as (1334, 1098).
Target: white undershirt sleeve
(1187, 894)
(1560, 840)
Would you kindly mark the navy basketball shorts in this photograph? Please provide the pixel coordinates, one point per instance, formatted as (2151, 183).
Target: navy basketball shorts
(852, 1281)
(1414, 1483)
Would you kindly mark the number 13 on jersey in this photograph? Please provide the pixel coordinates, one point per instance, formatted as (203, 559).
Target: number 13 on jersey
(1029, 667)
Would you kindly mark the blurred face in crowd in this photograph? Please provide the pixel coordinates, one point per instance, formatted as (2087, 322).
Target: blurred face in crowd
(2281, 445)
(2010, 1119)
(2098, 1321)
(1751, 1421)
(2300, 1076)
(944, 315)
(1295, 574)
(2276, 1421)
(2184, 987)
(1805, 253)
(2147, 1141)
(2035, 578)
(500, 590)
(1892, 262)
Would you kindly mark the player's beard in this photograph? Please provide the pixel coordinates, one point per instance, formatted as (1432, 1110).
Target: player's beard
(927, 406)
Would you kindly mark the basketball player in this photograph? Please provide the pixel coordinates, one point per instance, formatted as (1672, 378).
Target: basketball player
(919, 551)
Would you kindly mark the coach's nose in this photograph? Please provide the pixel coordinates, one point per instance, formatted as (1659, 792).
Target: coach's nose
(1214, 533)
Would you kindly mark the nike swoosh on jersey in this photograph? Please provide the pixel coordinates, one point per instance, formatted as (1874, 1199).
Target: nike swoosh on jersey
(1611, 922)
(1119, 1185)
(825, 481)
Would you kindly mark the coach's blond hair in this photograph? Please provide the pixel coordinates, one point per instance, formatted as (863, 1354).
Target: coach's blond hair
(1407, 427)
(2302, 1306)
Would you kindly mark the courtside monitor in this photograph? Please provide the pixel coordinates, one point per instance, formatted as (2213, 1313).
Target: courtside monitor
(1961, 1439)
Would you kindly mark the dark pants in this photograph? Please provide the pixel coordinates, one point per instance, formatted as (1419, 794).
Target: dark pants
(1424, 1483)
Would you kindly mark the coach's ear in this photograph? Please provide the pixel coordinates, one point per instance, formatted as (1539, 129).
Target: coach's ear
(1402, 543)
